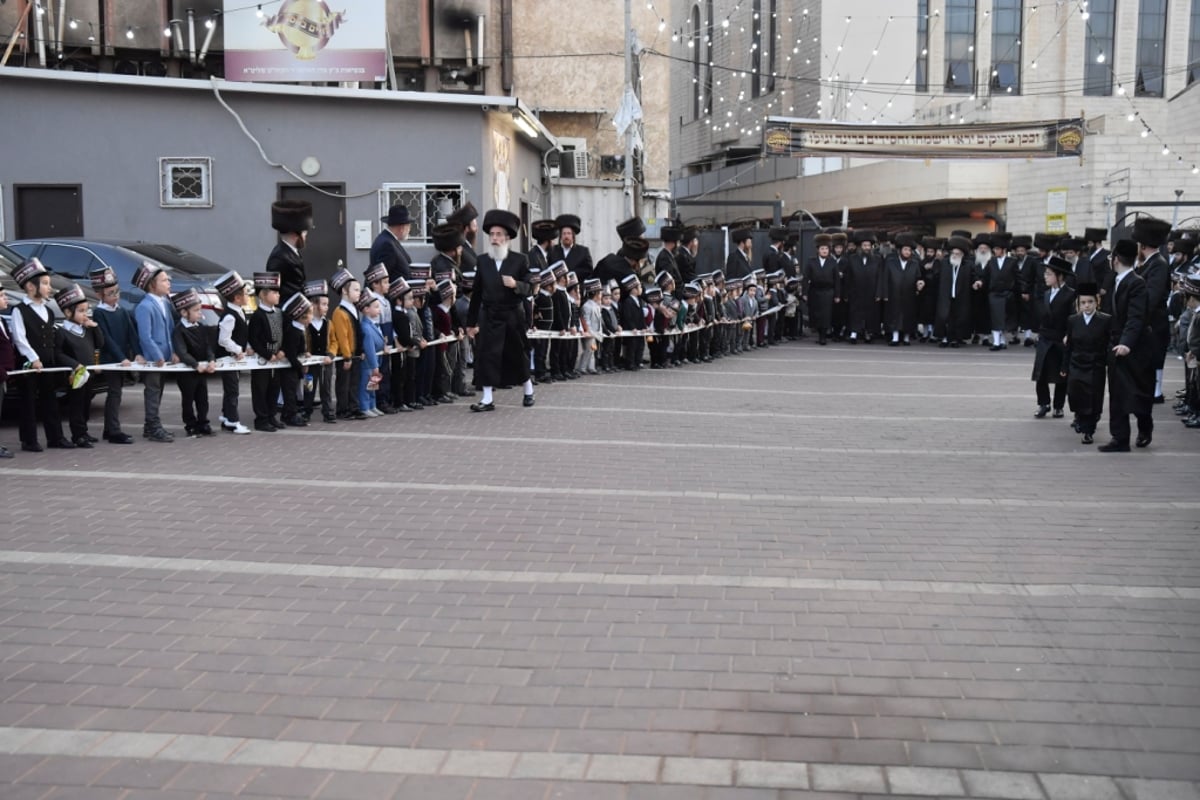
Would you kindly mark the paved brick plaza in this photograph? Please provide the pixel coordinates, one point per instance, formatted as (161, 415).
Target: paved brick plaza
(802, 573)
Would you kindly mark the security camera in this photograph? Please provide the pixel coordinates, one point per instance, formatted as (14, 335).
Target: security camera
(470, 170)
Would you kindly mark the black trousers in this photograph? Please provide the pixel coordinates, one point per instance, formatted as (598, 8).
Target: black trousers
(321, 387)
(37, 393)
(346, 386)
(193, 391)
(1043, 393)
(78, 401)
(112, 402)
(289, 383)
(541, 351)
(264, 389)
(230, 392)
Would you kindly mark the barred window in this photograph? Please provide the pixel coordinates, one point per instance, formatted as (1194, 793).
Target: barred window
(185, 182)
(428, 203)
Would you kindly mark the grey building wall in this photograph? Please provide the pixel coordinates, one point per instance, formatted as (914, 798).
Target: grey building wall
(108, 138)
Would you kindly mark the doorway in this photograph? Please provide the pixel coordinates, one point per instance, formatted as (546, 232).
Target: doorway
(47, 211)
(325, 251)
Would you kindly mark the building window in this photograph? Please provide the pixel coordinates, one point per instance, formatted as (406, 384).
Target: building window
(1098, 47)
(922, 45)
(1151, 47)
(756, 61)
(1193, 73)
(708, 51)
(1006, 46)
(697, 86)
(185, 182)
(960, 46)
(428, 203)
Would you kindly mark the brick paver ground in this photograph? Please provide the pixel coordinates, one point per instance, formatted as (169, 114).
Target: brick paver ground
(802, 573)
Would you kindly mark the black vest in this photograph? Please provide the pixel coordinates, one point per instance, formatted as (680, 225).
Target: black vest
(241, 329)
(40, 334)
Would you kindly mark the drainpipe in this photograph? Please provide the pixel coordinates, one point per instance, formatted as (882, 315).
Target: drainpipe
(506, 45)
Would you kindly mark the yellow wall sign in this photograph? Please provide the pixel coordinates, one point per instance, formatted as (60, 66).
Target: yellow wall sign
(1056, 210)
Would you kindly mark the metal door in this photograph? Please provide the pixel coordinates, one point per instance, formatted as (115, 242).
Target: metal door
(48, 211)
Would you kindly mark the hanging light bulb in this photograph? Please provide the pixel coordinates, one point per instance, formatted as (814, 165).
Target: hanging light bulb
(259, 12)
(1166, 150)
(129, 33)
(167, 33)
(1100, 58)
(73, 24)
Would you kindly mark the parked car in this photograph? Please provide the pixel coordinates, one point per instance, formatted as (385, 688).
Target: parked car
(73, 259)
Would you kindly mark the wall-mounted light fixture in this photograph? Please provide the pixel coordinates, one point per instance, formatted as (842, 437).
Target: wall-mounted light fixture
(523, 122)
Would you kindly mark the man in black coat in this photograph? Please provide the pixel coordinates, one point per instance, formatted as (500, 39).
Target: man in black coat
(685, 256)
(387, 249)
(665, 260)
(577, 257)
(543, 232)
(1029, 286)
(1001, 280)
(1048, 364)
(466, 217)
(1096, 255)
(626, 261)
(861, 288)
(1151, 234)
(819, 287)
(737, 265)
(1131, 356)
(958, 278)
(496, 317)
(292, 219)
(776, 257)
(900, 286)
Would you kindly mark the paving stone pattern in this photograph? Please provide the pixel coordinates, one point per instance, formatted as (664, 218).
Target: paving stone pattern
(803, 573)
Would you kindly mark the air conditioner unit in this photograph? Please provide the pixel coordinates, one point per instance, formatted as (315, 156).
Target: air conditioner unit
(574, 164)
(612, 163)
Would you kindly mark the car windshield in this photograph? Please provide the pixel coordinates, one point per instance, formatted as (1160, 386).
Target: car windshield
(175, 257)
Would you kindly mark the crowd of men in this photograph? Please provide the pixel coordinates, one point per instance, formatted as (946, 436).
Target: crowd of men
(405, 336)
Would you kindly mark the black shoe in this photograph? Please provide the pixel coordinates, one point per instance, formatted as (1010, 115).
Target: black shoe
(1144, 440)
(1041, 411)
(1075, 426)
(1193, 423)
(1058, 412)
(159, 436)
(90, 438)
(907, 343)
(296, 422)
(1160, 399)
(527, 401)
(465, 394)
(483, 406)
(357, 415)
(82, 443)
(854, 341)
(331, 420)
(388, 409)
(402, 409)
(63, 444)
(446, 398)
(943, 343)
(1087, 438)
(1029, 342)
(265, 427)
(5, 452)
(31, 447)
(955, 345)
(119, 438)
(1114, 446)
(995, 347)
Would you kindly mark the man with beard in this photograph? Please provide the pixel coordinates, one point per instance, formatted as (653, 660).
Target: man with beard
(1150, 235)
(838, 249)
(496, 317)
(1072, 250)
(685, 256)
(467, 218)
(957, 280)
(862, 287)
(1096, 256)
(980, 315)
(577, 257)
(1027, 267)
(1001, 281)
(665, 260)
(1132, 354)
(901, 286)
(293, 220)
(776, 257)
(737, 265)
(928, 298)
(543, 232)
(387, 249)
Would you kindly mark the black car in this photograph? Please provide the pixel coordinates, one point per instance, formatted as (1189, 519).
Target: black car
(73, 259)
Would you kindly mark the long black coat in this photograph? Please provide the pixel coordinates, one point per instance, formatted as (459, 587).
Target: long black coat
(737, 265)
(820, 286)
(899, 287)
(290, 266)
(578, 259)
(954, 314)
(501, 347)
(1048, 357)
(861, 289)
(1131, 377)
(775, 260)
(612, 267)
(665, 262)
(1085, 360)
(927, 300)
(1157, 274)
(387, 250)
(685, 262)
(1002, 283)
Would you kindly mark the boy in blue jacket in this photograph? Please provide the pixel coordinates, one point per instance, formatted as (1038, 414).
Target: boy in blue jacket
(155, 321)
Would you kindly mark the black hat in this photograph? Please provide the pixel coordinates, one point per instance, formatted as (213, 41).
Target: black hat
(840, 238)
(181, 300)
(1185, 246)
(932, 242)
(864, 236)
(1072, 243)
(1045, 242)
(631, 228)
(104, 277)
(446, 237)
(291, 216)
(1096, 235)
(543, 230)
(670, 233)
(297, 306)
(340, 278)
(397, 215)
(267, 280)
(823, 240)
(499, 217)
(778, 233)
(1021, 240)
(71, 295)
(230, 284)
(1126, 249)
(1002, 240)
(905, 239)
(963, 232)
(1089, 289)
(375, 272)
(1150, 232)
(463, 215)
(397, 289)
(959, 243)
(567, 221)
(740, 235)
(635, 248)
(687, 234)
(314, 289)
(142, 278)
(1059, 265)
(982, 239)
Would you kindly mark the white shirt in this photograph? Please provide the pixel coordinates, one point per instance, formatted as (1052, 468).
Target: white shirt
(1050, 299)
(1120, 277)
(1087, 319)
(346, 304)
(19, 336)
(317, 323)
(225, 331)
(72, 327)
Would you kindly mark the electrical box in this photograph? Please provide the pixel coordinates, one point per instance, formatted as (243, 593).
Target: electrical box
(362, 234)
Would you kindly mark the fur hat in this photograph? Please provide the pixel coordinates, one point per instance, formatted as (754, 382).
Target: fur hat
(463, 215)
(1045, 242)
(446, 237)
(1096, 235)
(1021, 240)
(839, 238)
(740, 235)
(631, 228)
(499, 217)
(959, 243)
(543, 230)
(635, 248)
(567, 221)
(1150, 232)
(291, 216)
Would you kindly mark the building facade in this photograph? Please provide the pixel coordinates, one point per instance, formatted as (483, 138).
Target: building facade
(1128, 67)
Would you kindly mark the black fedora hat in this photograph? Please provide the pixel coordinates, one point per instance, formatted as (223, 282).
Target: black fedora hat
(397, 215)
